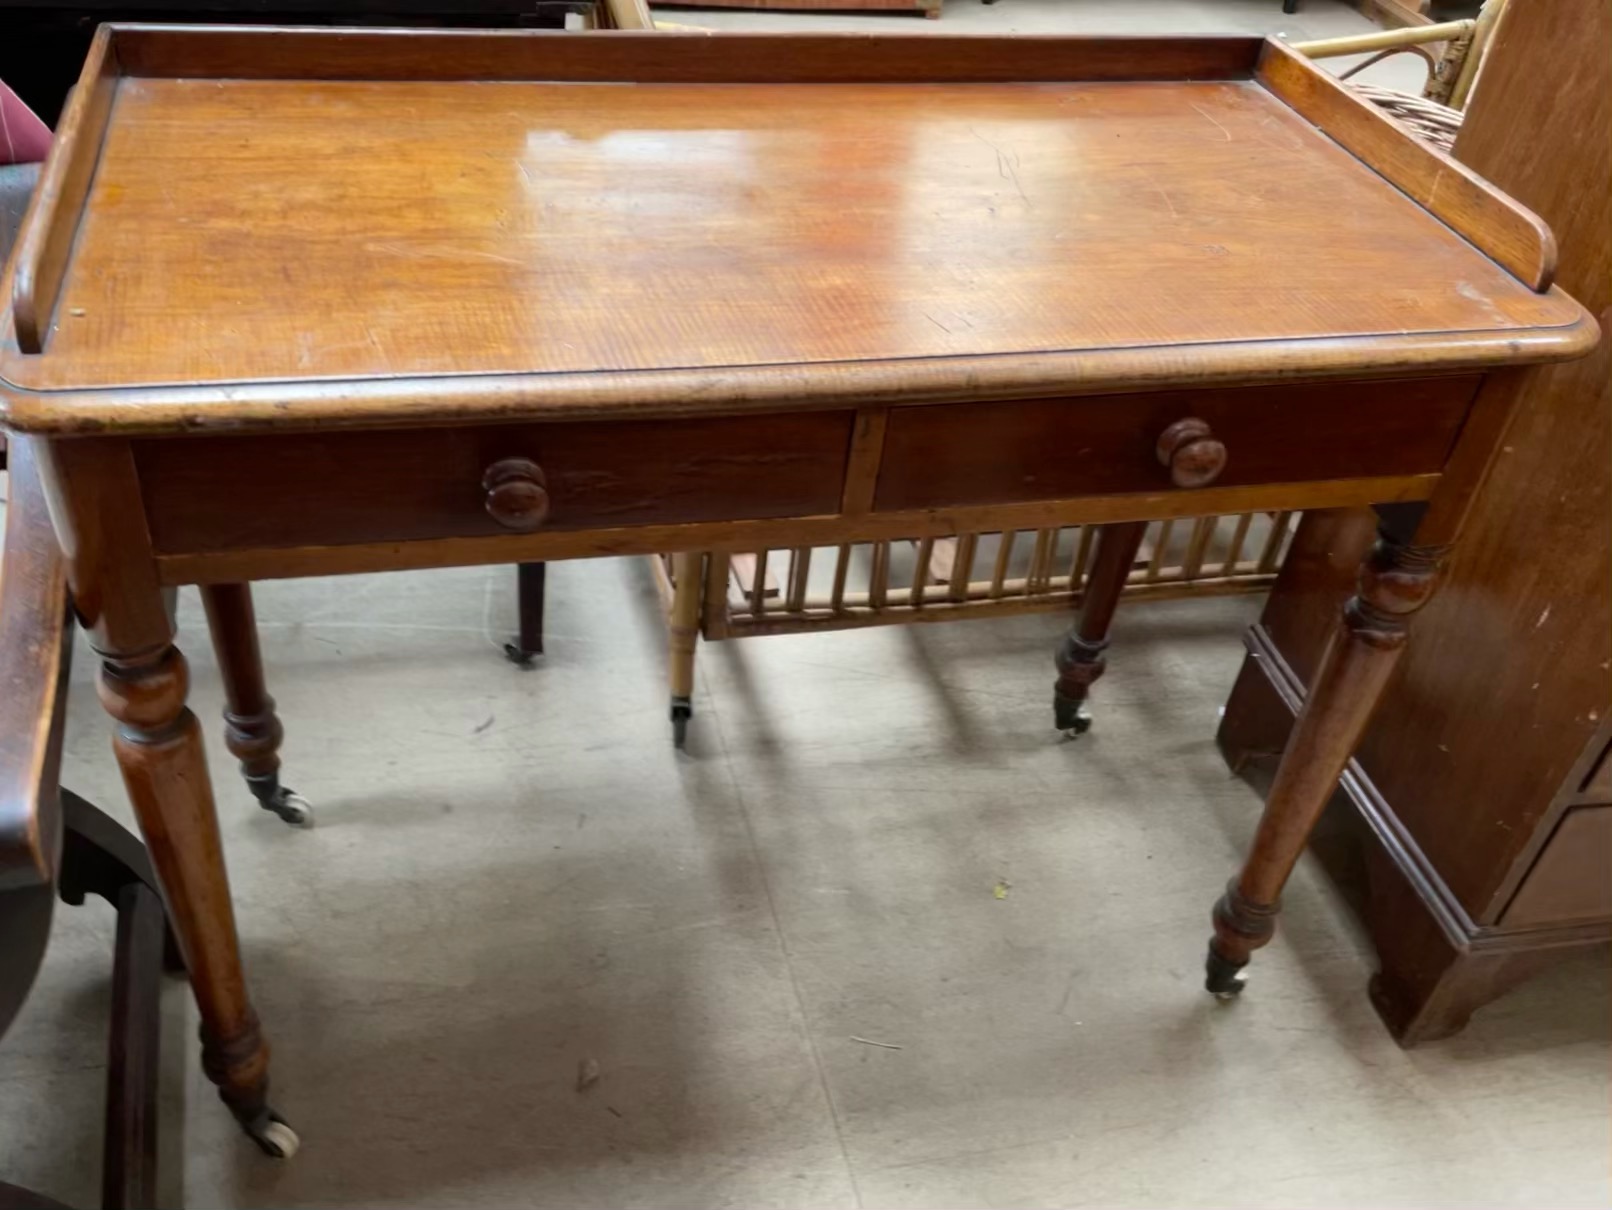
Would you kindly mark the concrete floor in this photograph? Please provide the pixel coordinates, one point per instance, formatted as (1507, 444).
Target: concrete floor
(513, 874)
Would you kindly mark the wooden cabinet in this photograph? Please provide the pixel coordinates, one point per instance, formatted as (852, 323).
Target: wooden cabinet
(1485, 776)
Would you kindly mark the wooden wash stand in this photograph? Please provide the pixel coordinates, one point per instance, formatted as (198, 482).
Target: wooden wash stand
(305, 302)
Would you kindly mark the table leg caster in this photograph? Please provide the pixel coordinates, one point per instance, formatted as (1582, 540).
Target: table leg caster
(271, 1132)
(1076, 722)
(521, 658)
(282, 800)
(1225, 979)
(682, 711)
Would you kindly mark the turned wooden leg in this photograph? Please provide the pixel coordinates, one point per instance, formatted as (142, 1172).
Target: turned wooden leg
(98, 514)
(1396, 580)
(159, 750)
(252, 730)
(683, 630)
(529, 584)
(1080, 656)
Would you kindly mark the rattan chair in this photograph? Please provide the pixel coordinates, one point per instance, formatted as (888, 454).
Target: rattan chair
(1453, 52)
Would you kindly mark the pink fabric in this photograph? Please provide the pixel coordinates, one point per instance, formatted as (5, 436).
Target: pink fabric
(24, 139)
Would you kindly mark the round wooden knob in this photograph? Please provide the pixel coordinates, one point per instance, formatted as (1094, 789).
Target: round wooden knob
(516, 496)
(1192, 453)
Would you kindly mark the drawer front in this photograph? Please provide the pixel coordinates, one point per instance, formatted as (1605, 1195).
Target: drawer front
(1572, 877)
(1046, 449)
(233, 493)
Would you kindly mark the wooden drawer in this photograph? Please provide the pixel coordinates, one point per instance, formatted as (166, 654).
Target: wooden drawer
(230, 493)
(1572, 878)
(1041, 449)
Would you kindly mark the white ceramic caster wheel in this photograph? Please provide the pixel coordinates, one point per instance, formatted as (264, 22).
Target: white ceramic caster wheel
(275, 1137)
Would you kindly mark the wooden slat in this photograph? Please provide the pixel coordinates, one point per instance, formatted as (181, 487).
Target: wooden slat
(1509, 233)
(920, 571)
(759, 583)
(842, 565)
(962, 566)
(879, 575)
(800, 567)
(856, 612)
(1077, 565)
(1040, 571)
(1272, 550)
(1004, 553)
(1234, 551)
(1161, 546)
(748, 569)
(1202, 530)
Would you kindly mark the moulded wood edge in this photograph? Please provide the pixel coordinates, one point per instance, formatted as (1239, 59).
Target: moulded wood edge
(732, 390)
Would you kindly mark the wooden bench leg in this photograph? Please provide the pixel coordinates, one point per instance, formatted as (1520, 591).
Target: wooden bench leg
(252, 730)
(1396, 580)
(683, 632)
(1080, 656)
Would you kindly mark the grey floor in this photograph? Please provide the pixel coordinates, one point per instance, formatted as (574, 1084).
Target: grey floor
(513, 874)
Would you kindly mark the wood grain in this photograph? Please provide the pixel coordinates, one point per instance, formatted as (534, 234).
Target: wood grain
(417, 484)
(94, 502)
(35, 647)
(1395, 581)
(966, 453)
(46, 237)
(1572, 878)
(862, 468)
(275, 562)
(253, 732)
(924, 241)
(1507, 231)
(1533, 584)
(211, 52)
(1499, 710)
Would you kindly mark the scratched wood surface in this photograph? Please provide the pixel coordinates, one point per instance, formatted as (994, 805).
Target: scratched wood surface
(283, 230)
